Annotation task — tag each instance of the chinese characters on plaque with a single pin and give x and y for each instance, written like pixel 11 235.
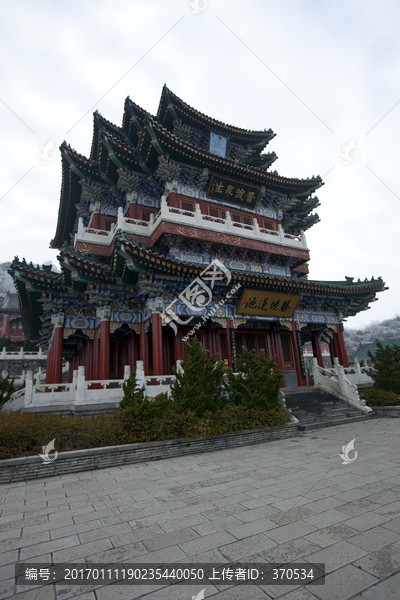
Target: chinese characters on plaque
pixel 232 191
pixel 267 304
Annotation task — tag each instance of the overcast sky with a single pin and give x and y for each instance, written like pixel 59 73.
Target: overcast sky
pixel 325 76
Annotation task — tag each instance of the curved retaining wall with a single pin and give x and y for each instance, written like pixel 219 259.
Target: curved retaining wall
pixel 32 467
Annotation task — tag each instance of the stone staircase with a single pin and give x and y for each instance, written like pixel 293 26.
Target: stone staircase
pixel 315 408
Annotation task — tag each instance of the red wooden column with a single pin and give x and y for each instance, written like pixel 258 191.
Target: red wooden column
pixel 179 349
pixel 300 380
pixel 333 351
pixel 316 347
pixel 344 359
pixel 132 355
pixel 54 357
pixel 277 349
pixel 144 348
pixel 103 313
pixel 96 352
pixel 6 326
pixel 96 216
pixel 229 325
pixel 156 332
pixel 88 359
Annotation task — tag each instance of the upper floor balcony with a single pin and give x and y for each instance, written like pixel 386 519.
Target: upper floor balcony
pixel 192 219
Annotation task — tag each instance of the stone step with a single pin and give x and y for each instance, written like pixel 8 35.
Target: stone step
pixel 315 409
pixel 312 417
pixel 332 422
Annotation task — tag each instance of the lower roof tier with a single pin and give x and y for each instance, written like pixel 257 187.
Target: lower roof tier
pixel 133 276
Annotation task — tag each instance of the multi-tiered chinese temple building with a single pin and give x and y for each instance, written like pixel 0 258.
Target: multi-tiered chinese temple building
pixel 143 224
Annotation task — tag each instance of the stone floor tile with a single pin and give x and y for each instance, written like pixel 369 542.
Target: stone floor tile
pixel 374 538
pixel 241 549
pixel 80 551
pixel 25 541
pixel 335 556
pixel 244 530
pixel 381 563
pixel 99 533
pixel 125 553
pixel 44 592
pixel 171 538
pixel 216 525
pixel 329 517
pixel 300 594
pixel 207 542
pixel 49 546
pixel 385 590
pixel 174 524
pixel 359 507
pixel 331 534
pixel 291 502
pixel 393 525
pixel 343 584
pixel 292 551
pixel 255 513
pixel 391 510
pixel 366 521
pixel 10 534
pixel 290 531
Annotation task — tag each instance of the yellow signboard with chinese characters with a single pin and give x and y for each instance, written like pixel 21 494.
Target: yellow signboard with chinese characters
pixel 261 303
pixel 232 191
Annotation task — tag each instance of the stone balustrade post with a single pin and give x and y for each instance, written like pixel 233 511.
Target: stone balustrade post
pixel 120 219
pixel 38 375
pixel 80 385
pixel 3 353
pixel 256 227
pixel 315 371
pixel 140 377
pixel 358 369
pixel 28 400
pixel 81 228
pixel 127 372
pixel 164 206
pixel 342 381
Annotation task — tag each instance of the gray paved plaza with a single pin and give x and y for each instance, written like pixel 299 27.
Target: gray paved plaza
pixel 285 501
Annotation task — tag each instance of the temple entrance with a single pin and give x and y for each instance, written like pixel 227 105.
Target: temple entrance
pixel 124 350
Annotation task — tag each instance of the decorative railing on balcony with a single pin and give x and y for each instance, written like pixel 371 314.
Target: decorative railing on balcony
pixel 172 214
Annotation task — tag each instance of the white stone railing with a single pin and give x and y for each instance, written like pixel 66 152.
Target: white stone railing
pixel 335 382
pixel 197 219
pixel 81 392
pixel 358 374
pixel 21 355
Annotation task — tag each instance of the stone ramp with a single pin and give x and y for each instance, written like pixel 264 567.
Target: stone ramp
pixel 315 408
